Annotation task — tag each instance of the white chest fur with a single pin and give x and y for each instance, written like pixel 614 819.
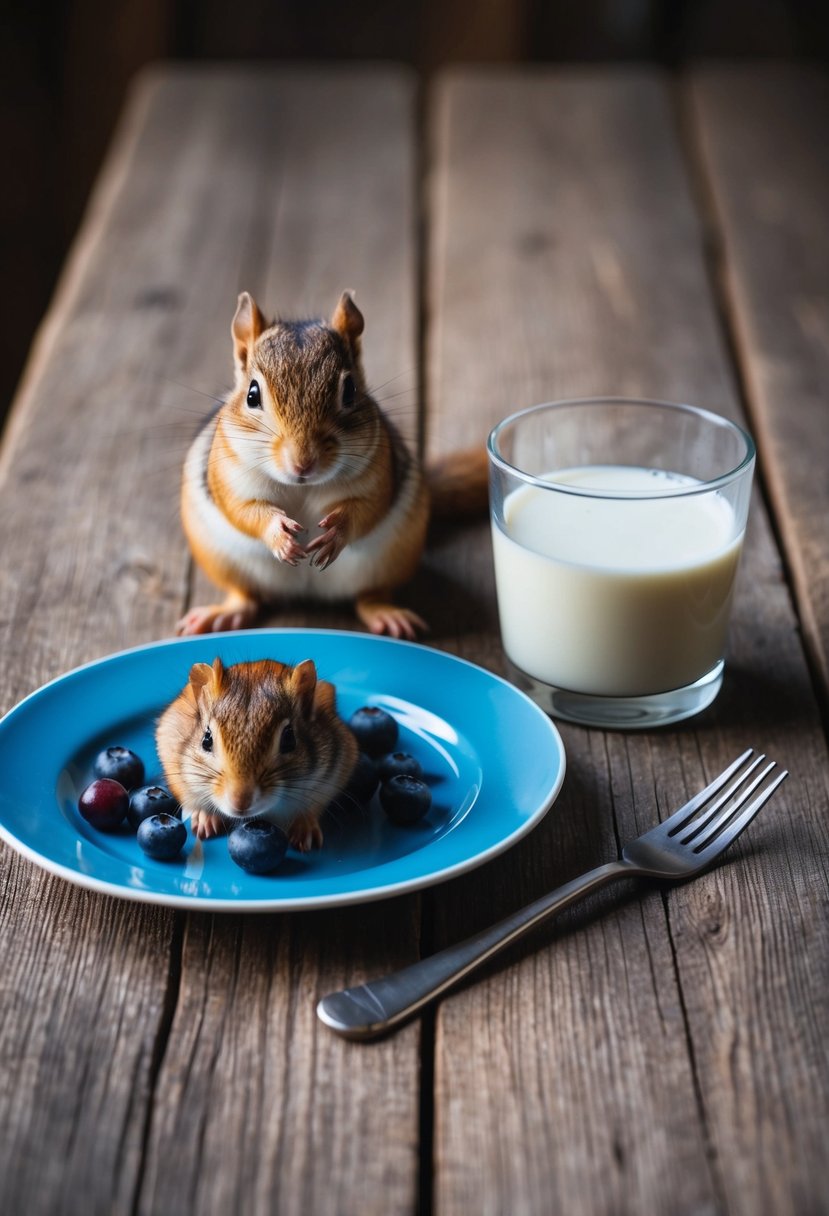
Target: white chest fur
pixel 362 566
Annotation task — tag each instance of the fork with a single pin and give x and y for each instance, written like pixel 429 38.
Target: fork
pixel 680 848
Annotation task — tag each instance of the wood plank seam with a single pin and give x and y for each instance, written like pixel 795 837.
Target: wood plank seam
pixel 708 1138
pixel 422 109
pixel 731 323
pixel 729 318
pixel 162 1039
pixel 665 895
pixel 422 169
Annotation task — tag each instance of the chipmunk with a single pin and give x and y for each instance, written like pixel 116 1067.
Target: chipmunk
pixel 299 445
pixel 256 740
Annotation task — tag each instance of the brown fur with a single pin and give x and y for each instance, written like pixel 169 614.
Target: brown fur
pixel 246 708
pixel 306 449
pixel 458 485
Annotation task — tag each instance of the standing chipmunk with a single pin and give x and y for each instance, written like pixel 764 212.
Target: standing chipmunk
pixel 300 444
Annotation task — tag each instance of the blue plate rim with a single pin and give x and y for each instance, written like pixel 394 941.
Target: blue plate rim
pixel 301 903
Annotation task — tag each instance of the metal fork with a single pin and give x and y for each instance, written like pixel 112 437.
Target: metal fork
pixel 679 848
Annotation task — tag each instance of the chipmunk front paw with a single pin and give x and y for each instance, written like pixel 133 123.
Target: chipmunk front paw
pixel 305 833
pixel 205 824
pixel 327 547
pixel 283 543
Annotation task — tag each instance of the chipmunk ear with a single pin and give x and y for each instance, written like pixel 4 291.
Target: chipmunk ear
pixel 204 677
pixel 303 685
pixel 325 697
pixel 248 324
pixel 348 322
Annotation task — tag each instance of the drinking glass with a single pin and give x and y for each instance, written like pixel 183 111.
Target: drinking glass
pixel 617 527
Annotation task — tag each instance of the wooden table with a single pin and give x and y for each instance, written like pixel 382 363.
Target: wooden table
pixel 514 236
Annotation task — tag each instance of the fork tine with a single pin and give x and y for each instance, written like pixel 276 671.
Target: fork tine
pixel 707 852
pixel 696 826
pixel 674 823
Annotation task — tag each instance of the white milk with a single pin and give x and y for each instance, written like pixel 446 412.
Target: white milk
pixel 610 596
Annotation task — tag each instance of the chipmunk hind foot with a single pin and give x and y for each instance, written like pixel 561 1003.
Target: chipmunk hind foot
pixel 381 616
pixel 234 613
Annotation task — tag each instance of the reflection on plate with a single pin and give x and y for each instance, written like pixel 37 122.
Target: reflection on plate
pixel 493 760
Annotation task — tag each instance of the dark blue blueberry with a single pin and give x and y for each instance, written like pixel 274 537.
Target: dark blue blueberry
pixel 376 731
pixel 162 837
pixel 120 764
pixel 257 846
pixel 151 800
pixel 104 803
pixel 399 764
pixel 405 799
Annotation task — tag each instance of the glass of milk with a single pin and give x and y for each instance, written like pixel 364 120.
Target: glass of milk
pixel 617 527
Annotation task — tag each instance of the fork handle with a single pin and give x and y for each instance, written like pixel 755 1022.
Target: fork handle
pixel 371 1009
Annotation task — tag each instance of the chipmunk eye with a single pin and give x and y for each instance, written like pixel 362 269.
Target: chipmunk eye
pixel 287 742
pixel 349 397
pixel 254 397
pixel 207 740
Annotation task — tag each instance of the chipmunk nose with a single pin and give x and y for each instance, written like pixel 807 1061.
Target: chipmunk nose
pixel 239 798
pixel 300 457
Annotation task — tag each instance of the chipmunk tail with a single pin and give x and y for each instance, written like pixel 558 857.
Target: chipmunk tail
pixel 459 484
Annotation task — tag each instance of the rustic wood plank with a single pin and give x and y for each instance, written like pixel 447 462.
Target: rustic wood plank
pixel 94 559
pixel 641 1062
pixel 260 1107
pixel 86 991
pixel 87 982
pixel 762 134
pixel 247 1061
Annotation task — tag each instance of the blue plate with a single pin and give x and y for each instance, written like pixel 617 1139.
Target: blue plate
pixel 493 760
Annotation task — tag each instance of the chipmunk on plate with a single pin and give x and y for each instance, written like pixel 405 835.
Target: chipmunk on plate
pixel 256 740
pixel 300 486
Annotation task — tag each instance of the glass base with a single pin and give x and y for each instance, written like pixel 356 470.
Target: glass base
pixel 621 713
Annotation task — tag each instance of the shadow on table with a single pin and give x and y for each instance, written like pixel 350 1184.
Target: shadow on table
pixel 758 708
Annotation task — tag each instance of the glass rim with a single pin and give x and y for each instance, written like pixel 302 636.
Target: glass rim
pixel 696 487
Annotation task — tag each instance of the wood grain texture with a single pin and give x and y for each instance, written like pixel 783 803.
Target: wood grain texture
pixel 258 1105
pixel 87 982
pixel 86 990
pixel 217 180
pixel 633 1065
pixel 762 133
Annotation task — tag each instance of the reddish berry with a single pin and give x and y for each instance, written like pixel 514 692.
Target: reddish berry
pixel 104 803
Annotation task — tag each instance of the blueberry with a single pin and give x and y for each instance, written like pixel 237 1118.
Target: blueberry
pixel 119 764
pixel 376 731
pixel 399 764
pixel 151 800
pixel 162 837
pixel 405 799
pixel 363 781
pixel 257 846
pixel 104 803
